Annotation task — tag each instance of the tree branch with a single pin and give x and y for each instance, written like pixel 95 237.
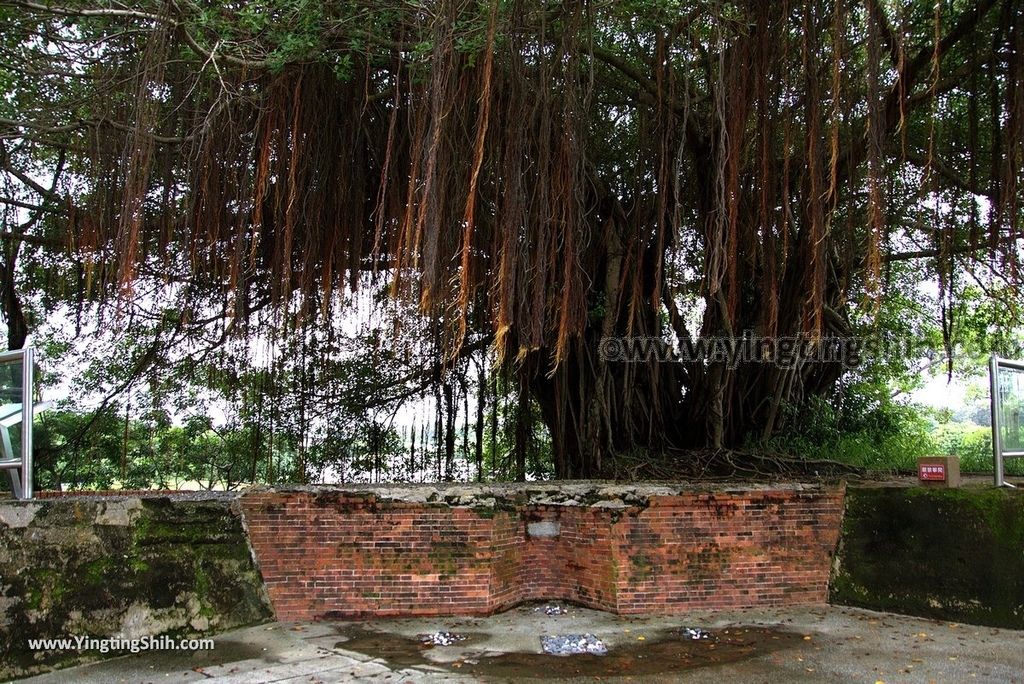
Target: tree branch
pixel 91 123
pixel 37 240
pixel 85 12
pixel 934 252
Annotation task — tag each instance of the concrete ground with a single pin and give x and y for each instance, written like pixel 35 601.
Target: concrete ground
pixel 819 644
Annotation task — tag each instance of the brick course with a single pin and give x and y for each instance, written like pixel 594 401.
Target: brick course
pixel 333 554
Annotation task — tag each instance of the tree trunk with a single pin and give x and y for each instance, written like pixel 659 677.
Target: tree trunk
pixel 449 430
pixel 481 398
pixel 524 432
pixel 17 326
pixel 595 407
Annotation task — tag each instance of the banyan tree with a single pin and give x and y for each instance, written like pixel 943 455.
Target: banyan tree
pixel 536 176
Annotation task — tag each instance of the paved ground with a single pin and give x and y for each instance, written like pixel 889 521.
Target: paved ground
pixel 826 644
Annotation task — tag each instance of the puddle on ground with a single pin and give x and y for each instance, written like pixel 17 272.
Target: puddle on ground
pixel 399 651
pixel 663 651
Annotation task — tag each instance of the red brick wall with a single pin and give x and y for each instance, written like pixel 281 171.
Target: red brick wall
pixel 337 554
pixel 727 550
pixel 333 554
pixel 508 583
pixel 576 565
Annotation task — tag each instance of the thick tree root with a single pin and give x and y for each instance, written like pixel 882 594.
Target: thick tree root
pixel 724 464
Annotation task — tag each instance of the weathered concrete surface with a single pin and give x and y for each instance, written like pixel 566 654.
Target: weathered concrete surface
pixel 596 493
pixel 830 645
pixel 947 554
pixel 125 567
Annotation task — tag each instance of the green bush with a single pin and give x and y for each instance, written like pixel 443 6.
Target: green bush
pixel 863 425
pixel 973 444
pixel 870 432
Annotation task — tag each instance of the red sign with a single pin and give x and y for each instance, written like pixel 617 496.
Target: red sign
pixel 932 471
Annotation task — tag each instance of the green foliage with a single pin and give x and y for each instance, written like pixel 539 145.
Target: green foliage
pixel 325 404
pixel 366 449
pixel 987 321
pixel 499 452
pixel 880 434
pixel 294 32
pixel 973 444
pixel 860 428
pixel 104 450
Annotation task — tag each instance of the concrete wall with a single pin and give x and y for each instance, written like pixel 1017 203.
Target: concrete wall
pixel 125 567
pixel 463 550
pixel 947 554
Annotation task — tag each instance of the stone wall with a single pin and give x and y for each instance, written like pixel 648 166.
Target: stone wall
pixel 123 567
pixel 472 550
pixel 950 554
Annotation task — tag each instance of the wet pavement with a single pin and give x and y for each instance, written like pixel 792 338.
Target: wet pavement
pixel 818 644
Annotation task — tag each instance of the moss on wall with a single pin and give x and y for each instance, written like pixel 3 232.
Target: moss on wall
pixel 120 567
pixel 951 554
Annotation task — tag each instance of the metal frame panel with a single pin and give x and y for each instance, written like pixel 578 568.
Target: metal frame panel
pixel 999 455
pixel 20 469
pixel 27 368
